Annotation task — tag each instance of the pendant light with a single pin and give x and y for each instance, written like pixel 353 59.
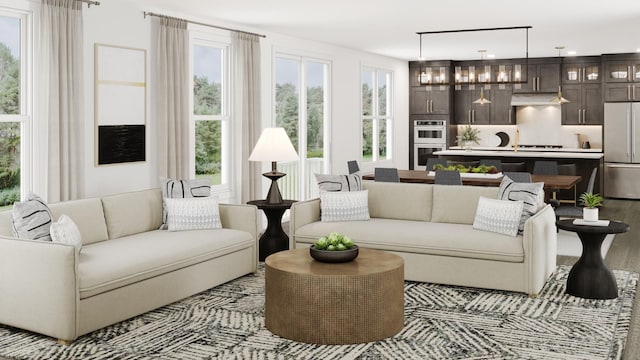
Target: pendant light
pixel 559 99
pixel 482 100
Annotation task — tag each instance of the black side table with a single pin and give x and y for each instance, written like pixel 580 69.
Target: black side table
pixel 590 278
pixel 274 238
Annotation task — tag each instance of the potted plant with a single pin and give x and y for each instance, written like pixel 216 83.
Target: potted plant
pixel 591 203
pixel 467 136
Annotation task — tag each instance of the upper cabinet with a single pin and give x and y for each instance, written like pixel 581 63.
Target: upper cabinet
pixel 585 105
pixel 581 70
pixel 621 77
pixel 542 75
pixel 429 89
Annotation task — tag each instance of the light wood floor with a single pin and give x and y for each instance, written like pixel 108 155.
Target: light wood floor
pixel 624 254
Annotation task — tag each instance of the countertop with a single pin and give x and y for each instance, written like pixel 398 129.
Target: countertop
pixel 564 153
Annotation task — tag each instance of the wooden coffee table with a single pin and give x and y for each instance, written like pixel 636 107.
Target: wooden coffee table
pixel 344 303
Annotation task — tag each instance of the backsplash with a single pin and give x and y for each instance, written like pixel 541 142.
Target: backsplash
pixel 541 125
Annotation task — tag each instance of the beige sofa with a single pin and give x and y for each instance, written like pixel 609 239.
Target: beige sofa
pixel 126 266
pixel 430 226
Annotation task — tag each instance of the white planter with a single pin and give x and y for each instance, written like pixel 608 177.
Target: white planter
pixel 590 214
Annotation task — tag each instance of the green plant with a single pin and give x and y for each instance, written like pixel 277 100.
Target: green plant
pixel 334 242
pixel 591 200
pixel 468 135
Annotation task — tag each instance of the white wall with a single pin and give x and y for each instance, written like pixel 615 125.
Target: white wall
pixel 121 23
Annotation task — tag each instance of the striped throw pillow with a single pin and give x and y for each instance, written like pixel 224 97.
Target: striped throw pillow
pixel 182 189
pixel 32 219
pixel 529 193
pixel 339 182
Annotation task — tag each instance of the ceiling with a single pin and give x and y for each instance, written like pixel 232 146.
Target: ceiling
pixel 389 27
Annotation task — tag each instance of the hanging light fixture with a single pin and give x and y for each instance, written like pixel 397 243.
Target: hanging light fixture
pixel 485 78
pixel 559 99
pixel 482 100
pixel 420 57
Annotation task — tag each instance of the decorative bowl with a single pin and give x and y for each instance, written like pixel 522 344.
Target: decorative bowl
pixel 337 256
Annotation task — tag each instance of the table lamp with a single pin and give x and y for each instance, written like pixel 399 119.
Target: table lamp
pixel 273 145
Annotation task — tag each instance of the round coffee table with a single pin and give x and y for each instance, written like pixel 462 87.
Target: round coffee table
pixel 345 303
pixel 590 278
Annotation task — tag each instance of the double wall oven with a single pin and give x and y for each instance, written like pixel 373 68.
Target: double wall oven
pixel 429 136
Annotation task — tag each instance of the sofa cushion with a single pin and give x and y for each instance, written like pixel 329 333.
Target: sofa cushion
pixel 88 216
pixel 420 237
pixel 531 194
pixel 499 216
pixel 119 262
pixel 339 182
pixel 457 204
pixel 344 205
pixel 399 201
pixel 65 231
pixel 32 219
pixel 133 212
pixel 182 189
pixel 192 214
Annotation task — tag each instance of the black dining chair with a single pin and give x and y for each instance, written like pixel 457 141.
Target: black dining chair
pixel 492 162
pixel 353 166
pixel 433 161
pixel 514 167
pixel 568 169
pixel 448 177
pixel 386 175
pixel 518 176
pixel 569 210
pixel 545 167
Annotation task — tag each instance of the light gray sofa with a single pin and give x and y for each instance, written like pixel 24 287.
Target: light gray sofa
pixel 430 226
pixel 126 266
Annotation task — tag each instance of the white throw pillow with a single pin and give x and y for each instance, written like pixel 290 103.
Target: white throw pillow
pixel 344 205
pixel 181 189
pixel 339 182
pixel 193 214
pixel 531 194
pixel 65 231
pixel 499 216
pixel 31 219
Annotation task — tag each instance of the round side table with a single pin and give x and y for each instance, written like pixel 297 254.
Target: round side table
pixel 590 278
pixel 344 303
pixel 274 238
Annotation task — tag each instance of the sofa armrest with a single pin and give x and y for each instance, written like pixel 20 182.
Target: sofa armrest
pixel 540 248
pixel 240 217
pixel 302 213
pixel 39 287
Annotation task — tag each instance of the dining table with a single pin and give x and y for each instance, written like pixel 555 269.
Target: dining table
pixel 562 182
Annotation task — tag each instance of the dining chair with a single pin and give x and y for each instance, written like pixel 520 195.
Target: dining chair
pixel 386 175
pixel 353 166
pixel 448 177
pixel 574 211
pixel 518 176
pixel 492 162
pixel 545 167
pixel 514 167
pixel 568 169
pixel 433 161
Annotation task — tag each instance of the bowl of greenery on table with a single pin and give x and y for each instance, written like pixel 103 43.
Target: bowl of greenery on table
pixel 334 248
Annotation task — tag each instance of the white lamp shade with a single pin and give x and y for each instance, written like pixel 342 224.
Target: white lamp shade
pixel 273 145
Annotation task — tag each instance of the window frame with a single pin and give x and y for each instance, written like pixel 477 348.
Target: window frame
pixel 25 13
pixel 224 190
pixel 375 117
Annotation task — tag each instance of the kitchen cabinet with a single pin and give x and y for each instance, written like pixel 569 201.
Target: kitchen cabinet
pixel 581 70
pixel 465 111
pixel 585 106
pixel 543 75
pixel 618 92
pixel 429 100
pixel 429 73
pixel 502 113
pixel 621 68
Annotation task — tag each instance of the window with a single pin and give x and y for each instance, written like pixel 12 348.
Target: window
pixel 15 103
pixel 377 114
pixel 302 109
pixel 210 115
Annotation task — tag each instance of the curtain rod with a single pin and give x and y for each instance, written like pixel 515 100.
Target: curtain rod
pixel 90 2
pixel 199 23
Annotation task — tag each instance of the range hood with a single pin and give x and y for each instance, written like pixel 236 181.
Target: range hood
pixel 533 99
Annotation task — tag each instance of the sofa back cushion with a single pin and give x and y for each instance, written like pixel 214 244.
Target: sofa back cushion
pixel 6 223
pixel 88 216
pixel 133 212
pixel 457 204
pixel 399 200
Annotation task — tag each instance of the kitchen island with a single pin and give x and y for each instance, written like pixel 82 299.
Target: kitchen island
pixel 585 160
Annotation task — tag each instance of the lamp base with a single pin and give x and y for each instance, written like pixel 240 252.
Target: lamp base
pixel 274 196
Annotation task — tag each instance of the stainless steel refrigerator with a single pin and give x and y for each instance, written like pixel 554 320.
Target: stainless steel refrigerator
pixel 622 150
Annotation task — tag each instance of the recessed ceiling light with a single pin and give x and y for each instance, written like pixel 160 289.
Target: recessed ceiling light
pixel 571 52
pixel 491 56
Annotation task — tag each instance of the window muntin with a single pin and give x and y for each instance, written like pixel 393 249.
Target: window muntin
pixel 377 114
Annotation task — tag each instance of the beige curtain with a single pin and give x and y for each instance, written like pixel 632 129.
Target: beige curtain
pixel 247 82
pixel 173 98
pixel 61 92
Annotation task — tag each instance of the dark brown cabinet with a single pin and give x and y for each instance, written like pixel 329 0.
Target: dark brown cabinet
pixel 502 113
pixel 429 100
pixel 585 106
pixel 621 77
pixel 466 111
pixel 621 92
pixel 581 70
pixel 543 75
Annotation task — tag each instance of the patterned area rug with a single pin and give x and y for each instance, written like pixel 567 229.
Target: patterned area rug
pixel 441 322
